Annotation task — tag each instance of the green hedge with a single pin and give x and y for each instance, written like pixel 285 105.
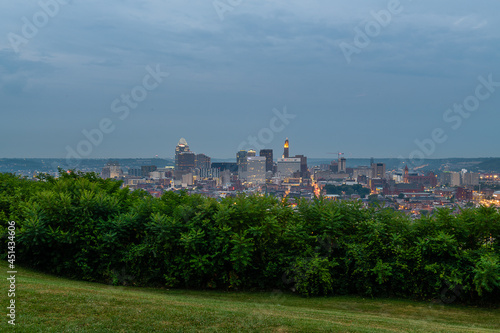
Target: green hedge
pixel 88 228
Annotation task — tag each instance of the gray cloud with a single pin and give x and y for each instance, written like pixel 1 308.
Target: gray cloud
pixel 226 76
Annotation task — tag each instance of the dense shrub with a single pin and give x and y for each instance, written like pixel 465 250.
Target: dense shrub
pixel 88 228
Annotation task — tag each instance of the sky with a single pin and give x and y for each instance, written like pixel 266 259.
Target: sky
pixel 116 79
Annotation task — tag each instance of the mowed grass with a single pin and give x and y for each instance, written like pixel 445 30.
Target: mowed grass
pixel 50 304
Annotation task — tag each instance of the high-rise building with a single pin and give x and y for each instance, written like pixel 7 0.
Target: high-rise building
pixel 286 149
pixel 202 161
pixel 251 153
pixel 334 166
pixel 268 154
pixel 186 161
pixel 112 170
pixel 225 177
pixel 378 170
pixel 136 172
pixel 256 170
pixel 287 167
pixel 470 179
pixel 187 180
pixel 342 165
pixel 241 160
pixel 304 172
pixel 450 179
pixel 146 169
pixel 181 147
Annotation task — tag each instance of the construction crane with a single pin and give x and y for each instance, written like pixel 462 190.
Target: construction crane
pixel 338 153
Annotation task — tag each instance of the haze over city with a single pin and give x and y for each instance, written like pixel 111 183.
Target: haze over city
pixel 367 78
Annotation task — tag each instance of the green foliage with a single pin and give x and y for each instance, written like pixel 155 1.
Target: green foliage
pixel 84 227
pixel 487 273
pixel 347 190
pixel 313 276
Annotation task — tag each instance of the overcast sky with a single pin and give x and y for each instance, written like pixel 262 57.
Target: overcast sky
pixel 349 80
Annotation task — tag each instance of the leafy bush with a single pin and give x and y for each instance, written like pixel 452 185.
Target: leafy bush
pixel 313 276
pixel 85 227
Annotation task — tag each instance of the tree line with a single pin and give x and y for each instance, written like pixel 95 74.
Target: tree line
pixel 84 227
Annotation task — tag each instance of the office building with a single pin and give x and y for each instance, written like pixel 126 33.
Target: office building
pixel 256 170
pixel 363 171
pixel 450 179
pixel 334 166
pixel 202 161
pixel 146 169
pixel 225 178
pixel 112 170
pixel 182 147
pixel 470 179
pixel 378 170
pixel 304 172
pixel 187 180
pixel 241 160
pixel 268 154
pixel 185 161
pixel 287 167
pixel 135 172
pixel 342 168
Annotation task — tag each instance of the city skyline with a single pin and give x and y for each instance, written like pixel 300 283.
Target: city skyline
pixel 386 79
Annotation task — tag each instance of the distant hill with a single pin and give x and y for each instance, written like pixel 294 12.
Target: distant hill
pixel 492 164
pixel 27 166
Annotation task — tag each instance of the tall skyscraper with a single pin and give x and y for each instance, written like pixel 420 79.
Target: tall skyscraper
pixel 268 154
pixel 342 165
pixel 304 172
pixel 186 161
pixel 241 160
pixel 251 153
pixel 287 167
pixel 256 170
pixel 378 170
pixel 181 147
pixel 286 147
pixel 203 161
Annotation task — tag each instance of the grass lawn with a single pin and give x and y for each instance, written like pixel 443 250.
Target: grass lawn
pixel 50 304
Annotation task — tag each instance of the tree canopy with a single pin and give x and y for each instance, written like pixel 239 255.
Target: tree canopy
pixel 88 228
